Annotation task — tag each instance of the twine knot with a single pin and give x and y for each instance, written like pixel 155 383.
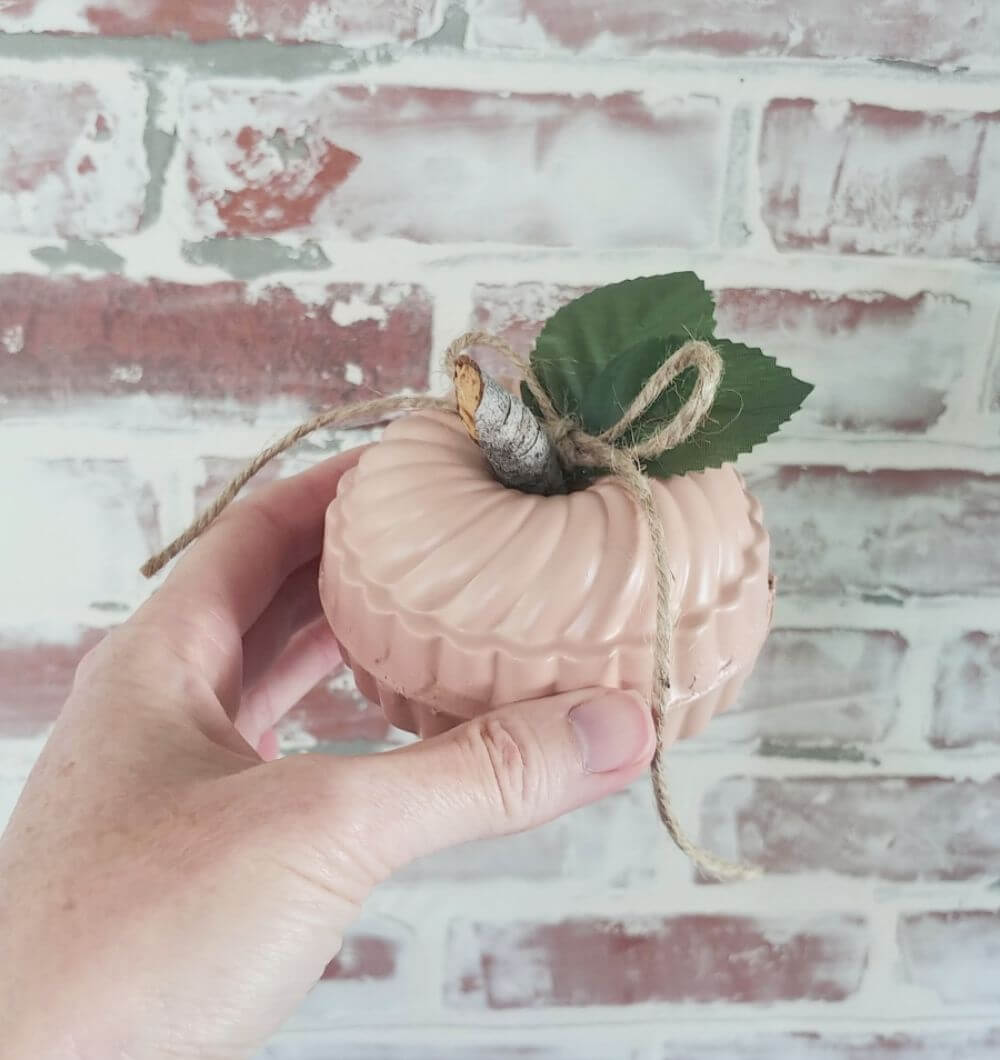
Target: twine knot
pixel 576 448
pixel 579 449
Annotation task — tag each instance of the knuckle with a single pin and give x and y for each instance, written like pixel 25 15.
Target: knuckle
pixel 193 633
pixel 255 509
pixel 143 656
pixel 513 768
pixel 111 655
pixel 90 664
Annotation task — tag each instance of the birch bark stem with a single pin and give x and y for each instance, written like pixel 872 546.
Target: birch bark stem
pixel 513 441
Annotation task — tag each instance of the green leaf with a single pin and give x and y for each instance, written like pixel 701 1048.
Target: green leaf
pixel 580 339
pixel 594 355
pixel 756 396
pixel 613 389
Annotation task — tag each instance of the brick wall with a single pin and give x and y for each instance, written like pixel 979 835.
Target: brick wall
pixel 216 217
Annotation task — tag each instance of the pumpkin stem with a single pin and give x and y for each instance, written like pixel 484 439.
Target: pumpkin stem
pixel 513 441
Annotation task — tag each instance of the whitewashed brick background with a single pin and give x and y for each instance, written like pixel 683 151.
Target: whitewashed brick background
pixel 216 217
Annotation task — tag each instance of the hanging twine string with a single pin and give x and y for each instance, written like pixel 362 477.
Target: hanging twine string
pixel 577 449
pixel 359 414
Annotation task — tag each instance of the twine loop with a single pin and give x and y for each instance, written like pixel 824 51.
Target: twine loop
pixel 577 449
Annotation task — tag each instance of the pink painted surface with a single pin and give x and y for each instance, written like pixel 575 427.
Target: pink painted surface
pixel 450 594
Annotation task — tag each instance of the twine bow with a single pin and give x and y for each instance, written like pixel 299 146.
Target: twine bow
pixel 576 449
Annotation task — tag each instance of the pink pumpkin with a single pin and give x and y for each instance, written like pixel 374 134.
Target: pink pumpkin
pixel 451 594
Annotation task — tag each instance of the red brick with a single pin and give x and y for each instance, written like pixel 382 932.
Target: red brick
pixel 583 962
pixel 954 954
pixel 356 23
pixel 35 678
pixel 372 977
pixel 434 165
pixel 72 161
pixel 110 336
pixel 879 362
pixel 957 32
pixel 967 692
pixel 909 828
pixel 908 532
pixel 858 178
pixel 818 687
pixel 364 956
pixel 515 312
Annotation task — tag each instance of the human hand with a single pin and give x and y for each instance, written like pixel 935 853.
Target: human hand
pixel 165 891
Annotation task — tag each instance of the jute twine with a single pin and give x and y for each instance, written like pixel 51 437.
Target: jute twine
pixel 577 449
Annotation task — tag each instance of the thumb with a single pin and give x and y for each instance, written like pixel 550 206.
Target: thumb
pixel 505 771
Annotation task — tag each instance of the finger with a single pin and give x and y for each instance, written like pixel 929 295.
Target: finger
pixel 503 772
pixel 229 576
pixel 295 606
pixel 267 746
pixel 310 656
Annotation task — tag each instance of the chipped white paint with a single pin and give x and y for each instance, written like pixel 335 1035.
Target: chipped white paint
pixel 323 21
pixel 355 310
pixel 170 84
pixel 353 373
pixel 242 21
pixel 76 517
pixel 830 114
pixel 337 24
pixel 13 339
pixel 95 185
pixel 126 373
pixel 293 738
pixel 43 16
pixel 495 188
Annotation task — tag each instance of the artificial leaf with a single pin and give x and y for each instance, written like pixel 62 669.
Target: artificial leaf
pixel 614 388
pixel 756 396
pixel 580 339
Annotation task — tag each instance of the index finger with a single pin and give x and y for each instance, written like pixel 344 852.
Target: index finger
pixel 231 573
